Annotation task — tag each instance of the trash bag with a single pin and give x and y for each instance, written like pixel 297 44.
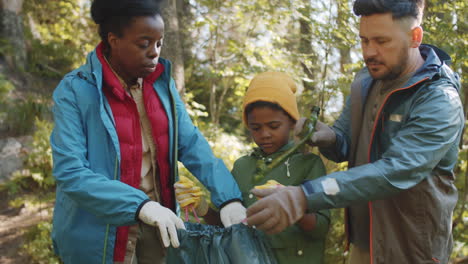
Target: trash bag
pixel 206 244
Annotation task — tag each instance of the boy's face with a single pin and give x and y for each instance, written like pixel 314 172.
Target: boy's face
pixel 269 128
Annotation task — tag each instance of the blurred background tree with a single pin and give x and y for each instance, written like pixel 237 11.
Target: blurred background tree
pixel 216 47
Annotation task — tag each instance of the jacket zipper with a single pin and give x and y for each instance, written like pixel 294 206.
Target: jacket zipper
pixel 108 226
pixel 176 140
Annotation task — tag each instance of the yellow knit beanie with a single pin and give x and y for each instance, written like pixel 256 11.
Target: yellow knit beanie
pixel 273 87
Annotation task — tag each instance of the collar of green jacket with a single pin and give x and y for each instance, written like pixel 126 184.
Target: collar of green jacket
pixel 257 152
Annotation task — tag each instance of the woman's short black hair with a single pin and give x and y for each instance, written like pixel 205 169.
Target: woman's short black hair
pixel 114 15
pixel 398 8
pixel 261 104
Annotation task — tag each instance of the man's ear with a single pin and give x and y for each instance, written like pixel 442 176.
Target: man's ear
pixel 416 36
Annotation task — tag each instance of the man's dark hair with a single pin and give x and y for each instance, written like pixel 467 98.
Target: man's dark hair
pixel 398 8
pixel 114 15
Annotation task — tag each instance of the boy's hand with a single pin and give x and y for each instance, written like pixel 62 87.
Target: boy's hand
pixel 278 209
pixel 323 136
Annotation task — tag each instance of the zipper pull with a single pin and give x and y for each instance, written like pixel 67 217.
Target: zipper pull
pixel 287 168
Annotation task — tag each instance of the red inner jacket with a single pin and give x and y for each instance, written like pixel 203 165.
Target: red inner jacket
pixel 127 123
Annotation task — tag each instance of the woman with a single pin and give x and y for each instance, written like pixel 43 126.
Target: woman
pixel 120 128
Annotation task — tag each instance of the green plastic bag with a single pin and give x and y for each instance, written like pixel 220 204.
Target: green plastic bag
pixel 206 244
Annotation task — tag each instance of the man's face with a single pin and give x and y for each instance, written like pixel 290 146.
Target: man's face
pixel 385 46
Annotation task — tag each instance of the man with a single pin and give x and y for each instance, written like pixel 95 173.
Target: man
pixel 399 131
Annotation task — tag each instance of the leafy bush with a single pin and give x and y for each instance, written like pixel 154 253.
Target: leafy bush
pixel 37 171
pixel 6 87
pixel 225 146
pixel 17 115
pixel 39 244
pixel 39 161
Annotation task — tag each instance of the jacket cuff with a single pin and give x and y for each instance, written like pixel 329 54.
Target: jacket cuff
pixel 139 208
pixel 307 187
pixel 313 191
pixel 229 201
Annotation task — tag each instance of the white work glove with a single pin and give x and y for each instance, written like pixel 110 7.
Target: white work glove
pixel 323 136
pixel 232 213
pixel 152 213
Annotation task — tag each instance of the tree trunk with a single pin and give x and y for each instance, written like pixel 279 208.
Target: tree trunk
pixel 12 44
pixel 172 48
pixel 305 47
pixel 342 20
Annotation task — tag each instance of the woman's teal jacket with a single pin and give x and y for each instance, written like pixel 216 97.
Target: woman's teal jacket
pixel 91 201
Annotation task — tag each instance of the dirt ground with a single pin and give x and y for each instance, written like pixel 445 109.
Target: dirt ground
pixel 14 222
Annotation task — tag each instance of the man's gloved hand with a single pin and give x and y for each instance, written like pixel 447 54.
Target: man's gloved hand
pixel 152 213
pixel 190 196
pixel 323 136
pixel 278 208
pixel 232 213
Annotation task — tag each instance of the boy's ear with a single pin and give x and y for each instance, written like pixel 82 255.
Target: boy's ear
pixel 416 36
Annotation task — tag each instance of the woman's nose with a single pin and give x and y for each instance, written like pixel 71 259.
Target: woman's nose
pixel 154 51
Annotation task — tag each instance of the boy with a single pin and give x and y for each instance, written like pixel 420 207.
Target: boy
pixel 270 113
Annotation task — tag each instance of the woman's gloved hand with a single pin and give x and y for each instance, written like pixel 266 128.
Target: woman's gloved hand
pixel 232 213
pixel 152 213
pixel 190 197
pixel 323 136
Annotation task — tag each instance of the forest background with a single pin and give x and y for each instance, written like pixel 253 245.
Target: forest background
pixel 216 47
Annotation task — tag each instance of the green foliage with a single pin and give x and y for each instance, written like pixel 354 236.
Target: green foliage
pixel 6 87
pixel 336 239
pixel 460 215
pixel 39 244
pixel 446 26
pixel 60 34
pixel 5 47
pixel 225 146
pixel 39 159
pixel 19 114
pixel 33 186
pixel 37 172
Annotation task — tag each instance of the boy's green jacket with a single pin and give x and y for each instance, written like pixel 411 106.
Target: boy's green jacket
pixel 293 245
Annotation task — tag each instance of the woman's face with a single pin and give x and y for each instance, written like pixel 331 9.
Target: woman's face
pixel 269 128
pixel 135 54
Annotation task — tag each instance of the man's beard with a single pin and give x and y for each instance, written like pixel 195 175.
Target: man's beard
pixel 395 71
